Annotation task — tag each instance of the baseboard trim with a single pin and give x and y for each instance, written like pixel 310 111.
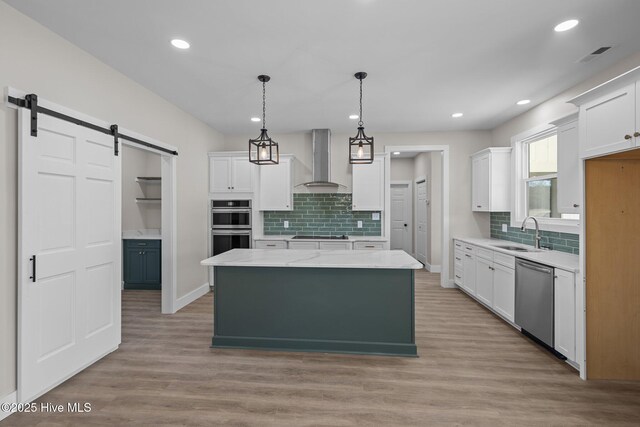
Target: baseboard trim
pixel 187 299
pixel 450 285
pixel 11 398
pixel 433 268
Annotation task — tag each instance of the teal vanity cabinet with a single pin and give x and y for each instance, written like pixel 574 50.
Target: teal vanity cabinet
pixel 142 264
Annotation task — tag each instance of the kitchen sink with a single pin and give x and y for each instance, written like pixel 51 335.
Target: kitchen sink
pixel 516 248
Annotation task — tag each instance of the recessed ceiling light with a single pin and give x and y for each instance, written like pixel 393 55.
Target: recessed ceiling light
pixel 180 44
pixel 566 25
pixel 456 115
pixel 396 153
pixel 523 102
pixel 354 116
pixel 256 119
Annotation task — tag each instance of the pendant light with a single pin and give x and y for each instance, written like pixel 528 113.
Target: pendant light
pixel 263 150
pixel 360 146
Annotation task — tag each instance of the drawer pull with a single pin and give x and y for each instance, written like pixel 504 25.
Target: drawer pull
pixel 468 248
pixel 458 277
pixel 369 246
pixel 479 206
pixel 459 259
pixel 468 256
pixel 271 246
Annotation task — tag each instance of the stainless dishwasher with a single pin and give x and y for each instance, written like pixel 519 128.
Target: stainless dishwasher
pixel 534 300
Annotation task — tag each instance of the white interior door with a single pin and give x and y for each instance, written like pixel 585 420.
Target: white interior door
pixel 69 220
pixel 401 218
pixel 421 222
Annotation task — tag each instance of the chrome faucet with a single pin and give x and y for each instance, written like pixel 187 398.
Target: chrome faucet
pixel 538 238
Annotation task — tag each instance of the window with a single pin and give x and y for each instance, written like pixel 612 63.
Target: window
pixel 537 188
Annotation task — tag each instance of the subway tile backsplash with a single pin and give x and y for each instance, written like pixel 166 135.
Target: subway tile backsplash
pixel 564 242
pixel 321 214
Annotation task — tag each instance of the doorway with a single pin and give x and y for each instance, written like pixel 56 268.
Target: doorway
pixel 432 245
pixel 401 221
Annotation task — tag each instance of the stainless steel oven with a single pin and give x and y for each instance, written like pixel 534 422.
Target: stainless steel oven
pixel 230 225
pixel 231 214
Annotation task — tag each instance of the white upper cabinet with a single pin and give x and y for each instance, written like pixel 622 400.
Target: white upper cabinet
pixel 607 124
pixel 569 192
pixel 490 180
pixel 610 116
pixel 230 173
pixel 276 185
pixel 368 185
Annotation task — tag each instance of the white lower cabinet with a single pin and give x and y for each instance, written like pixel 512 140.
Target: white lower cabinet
pixel 303 245
pixel 368 245
pixel 504 291
pixel 271 244
pixel 335 245
pixel 469 273
pixel 484 280
pixel 565 313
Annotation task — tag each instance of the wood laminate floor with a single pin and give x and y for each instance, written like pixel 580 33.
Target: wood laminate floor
pixel 473 369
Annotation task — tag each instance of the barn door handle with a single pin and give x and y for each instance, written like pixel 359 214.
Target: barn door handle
pixel 33 269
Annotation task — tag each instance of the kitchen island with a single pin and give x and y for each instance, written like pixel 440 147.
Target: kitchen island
pixel 339 301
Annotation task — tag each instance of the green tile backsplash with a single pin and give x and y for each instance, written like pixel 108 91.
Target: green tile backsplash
pixel 564 242
pixel 321 214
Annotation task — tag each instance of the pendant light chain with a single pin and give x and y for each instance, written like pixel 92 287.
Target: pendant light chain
pixel 360 122
pixel 264 105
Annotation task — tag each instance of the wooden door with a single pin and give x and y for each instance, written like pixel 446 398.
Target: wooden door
pixel 70 252
pixel 612 269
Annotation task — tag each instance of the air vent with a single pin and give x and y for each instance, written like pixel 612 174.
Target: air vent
pixel 595 54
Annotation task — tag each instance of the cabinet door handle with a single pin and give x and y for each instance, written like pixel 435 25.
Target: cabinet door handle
pixel 33 269
pixel 459 259
pixel 468 256
pixel 479 206
pixel 491 268
pixel 458 277
pixel 637 134
pixel 575 205
pixel 627 137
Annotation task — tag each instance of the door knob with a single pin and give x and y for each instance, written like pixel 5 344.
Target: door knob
pixel 405 225
pixel 627 137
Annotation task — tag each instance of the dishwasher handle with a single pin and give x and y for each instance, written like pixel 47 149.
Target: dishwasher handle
pixel 535 266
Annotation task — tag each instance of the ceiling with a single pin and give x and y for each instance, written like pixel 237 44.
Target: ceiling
pixel 425 59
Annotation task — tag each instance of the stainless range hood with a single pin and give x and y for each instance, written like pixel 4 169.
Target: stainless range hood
pixel 321 140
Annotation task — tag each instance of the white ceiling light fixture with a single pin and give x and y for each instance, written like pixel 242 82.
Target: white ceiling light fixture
pixel 396 153
pixel 566 25
pixel 180 44
pixel 523 102
pixel 255 119
pixel 354 117
pixel 457 115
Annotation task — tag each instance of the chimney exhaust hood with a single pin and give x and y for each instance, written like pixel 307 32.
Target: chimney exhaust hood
pixel 321 140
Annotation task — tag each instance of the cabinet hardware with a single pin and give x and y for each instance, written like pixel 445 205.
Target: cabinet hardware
pixel 491 268
pixel 575 205
pixel 637 134
pixel 458 259
pixel 369 246
pixel 468 256
pixel 271 246
pixel 479 206
pixel 627 137
pixel 468 248
pixel 33 269
pixel 555 277
pixel 458 277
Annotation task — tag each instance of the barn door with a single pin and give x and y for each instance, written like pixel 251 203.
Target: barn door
pixel 69 249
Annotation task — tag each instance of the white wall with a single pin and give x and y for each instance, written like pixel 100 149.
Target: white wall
pixel 401 169
pixel 36 60
pixel 135 163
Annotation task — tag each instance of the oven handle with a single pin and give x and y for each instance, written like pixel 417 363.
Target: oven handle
pixel 226 232
pixel 230 210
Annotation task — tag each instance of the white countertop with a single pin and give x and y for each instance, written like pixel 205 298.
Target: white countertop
pixel 557 259
pixel 350 239
pixel 314 258
pixel 142 234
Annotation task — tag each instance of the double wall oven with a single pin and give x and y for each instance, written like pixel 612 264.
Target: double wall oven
pixel 230 225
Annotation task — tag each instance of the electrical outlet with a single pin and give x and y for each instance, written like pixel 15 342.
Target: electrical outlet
pixel 359 224
pixel 286 224
pixel 375 216
pixel 504 228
